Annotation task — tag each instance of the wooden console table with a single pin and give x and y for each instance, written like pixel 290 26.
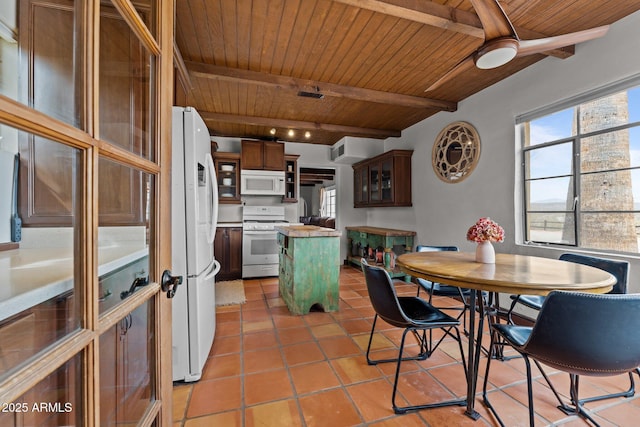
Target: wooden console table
pixel 399 241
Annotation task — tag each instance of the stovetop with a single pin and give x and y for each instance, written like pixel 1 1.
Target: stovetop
pixel 262 217
pixel 252 225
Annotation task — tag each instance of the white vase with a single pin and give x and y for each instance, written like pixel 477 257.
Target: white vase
pixel 485 253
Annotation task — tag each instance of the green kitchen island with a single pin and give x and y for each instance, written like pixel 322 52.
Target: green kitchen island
pixel 309 270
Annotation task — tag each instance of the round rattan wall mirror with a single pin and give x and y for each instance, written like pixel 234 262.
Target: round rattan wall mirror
pixel 455 152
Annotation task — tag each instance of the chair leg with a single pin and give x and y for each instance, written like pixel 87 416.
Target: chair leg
pixel 422 356
pixel 530 392
pixel 561 405
pixel 579 410
pixel 404 409
pixel 485 396
pixel 462 314
pixel 628 393
pixel 510 311
pixel 494 343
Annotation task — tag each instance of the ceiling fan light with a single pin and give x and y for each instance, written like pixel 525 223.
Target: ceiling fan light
pixel 496 53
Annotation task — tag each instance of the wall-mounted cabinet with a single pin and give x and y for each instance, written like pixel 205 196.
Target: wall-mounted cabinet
pixel 228 174
pixel 262 155
pixel 384 180
pixel 291 178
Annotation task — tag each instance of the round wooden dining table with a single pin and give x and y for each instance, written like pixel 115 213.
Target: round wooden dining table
pixel 511 274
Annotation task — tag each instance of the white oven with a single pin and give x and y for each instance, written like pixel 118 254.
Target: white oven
pixel 260 240
pixel 262 183
pixel 259 253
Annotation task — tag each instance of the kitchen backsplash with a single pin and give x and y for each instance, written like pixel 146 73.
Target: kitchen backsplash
pixel 233 213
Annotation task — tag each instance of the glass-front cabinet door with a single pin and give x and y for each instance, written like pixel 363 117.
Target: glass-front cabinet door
pixel 361 185
pixel 386 184
pixel 85 101
pixel 228 174
pixel 374 182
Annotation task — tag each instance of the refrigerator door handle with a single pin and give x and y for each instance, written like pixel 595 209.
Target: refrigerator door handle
pixel 213 194
pixel 214 270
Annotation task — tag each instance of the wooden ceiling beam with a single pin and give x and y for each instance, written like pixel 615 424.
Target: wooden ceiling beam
pixel 425 12
pixel 209 71
pixel 178 62
pixel 302 125
pixel 318 171
pixel 314 177
pixel 445 17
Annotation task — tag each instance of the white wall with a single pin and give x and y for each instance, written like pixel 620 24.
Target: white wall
pixel 311 156
pixel 319 156
pixel 441 212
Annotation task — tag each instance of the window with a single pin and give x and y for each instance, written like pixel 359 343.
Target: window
pixel 581 171
pixel 329 205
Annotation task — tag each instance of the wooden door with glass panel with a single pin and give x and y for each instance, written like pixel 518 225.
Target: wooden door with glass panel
pixel 84 324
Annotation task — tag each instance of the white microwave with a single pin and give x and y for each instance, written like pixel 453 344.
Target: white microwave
pixel 262 183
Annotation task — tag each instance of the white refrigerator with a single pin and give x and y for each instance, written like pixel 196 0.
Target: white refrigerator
pixel 194 216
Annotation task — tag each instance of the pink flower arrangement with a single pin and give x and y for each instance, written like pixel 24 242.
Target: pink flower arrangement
pixel 485 230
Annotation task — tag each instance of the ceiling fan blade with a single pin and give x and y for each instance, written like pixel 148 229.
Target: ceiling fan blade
pixel 530 47
pixel 462 67
pixel 495 21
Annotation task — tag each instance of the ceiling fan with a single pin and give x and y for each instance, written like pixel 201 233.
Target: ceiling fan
pixel 502 44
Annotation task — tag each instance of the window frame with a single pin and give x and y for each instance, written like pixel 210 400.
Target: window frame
pixel 326 209
pixel 576 174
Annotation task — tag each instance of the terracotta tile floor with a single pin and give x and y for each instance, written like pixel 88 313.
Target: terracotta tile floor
pixel 270 368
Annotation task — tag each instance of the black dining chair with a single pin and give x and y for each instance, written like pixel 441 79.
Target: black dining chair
pixel 415 315
pixel 578 333
pixel 438 289
pixel 620 270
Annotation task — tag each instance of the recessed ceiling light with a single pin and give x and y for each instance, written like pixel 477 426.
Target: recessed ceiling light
pixel 291 133
pixel 272 131
pixel 307 134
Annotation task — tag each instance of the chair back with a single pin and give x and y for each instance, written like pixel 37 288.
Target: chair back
pixel 587 334
pixel 383 295
pixel 438 288
pixel 619 269
pixel 426 248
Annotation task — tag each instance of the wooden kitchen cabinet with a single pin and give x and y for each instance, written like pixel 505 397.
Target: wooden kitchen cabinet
pixel 384 180
pixel 291 178
pixel 227 249
pixel 228 175
pixel 262 155
pixel 125 382
pixel 124 349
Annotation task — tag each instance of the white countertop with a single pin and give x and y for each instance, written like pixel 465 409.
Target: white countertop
pixel 230 224
pixel 32 276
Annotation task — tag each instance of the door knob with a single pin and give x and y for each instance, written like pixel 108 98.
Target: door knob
pixel 170 283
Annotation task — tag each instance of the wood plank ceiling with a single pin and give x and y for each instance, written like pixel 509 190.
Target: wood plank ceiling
pixel 242 63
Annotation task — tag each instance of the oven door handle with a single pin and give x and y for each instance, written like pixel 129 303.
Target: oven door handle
pixel 259 232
